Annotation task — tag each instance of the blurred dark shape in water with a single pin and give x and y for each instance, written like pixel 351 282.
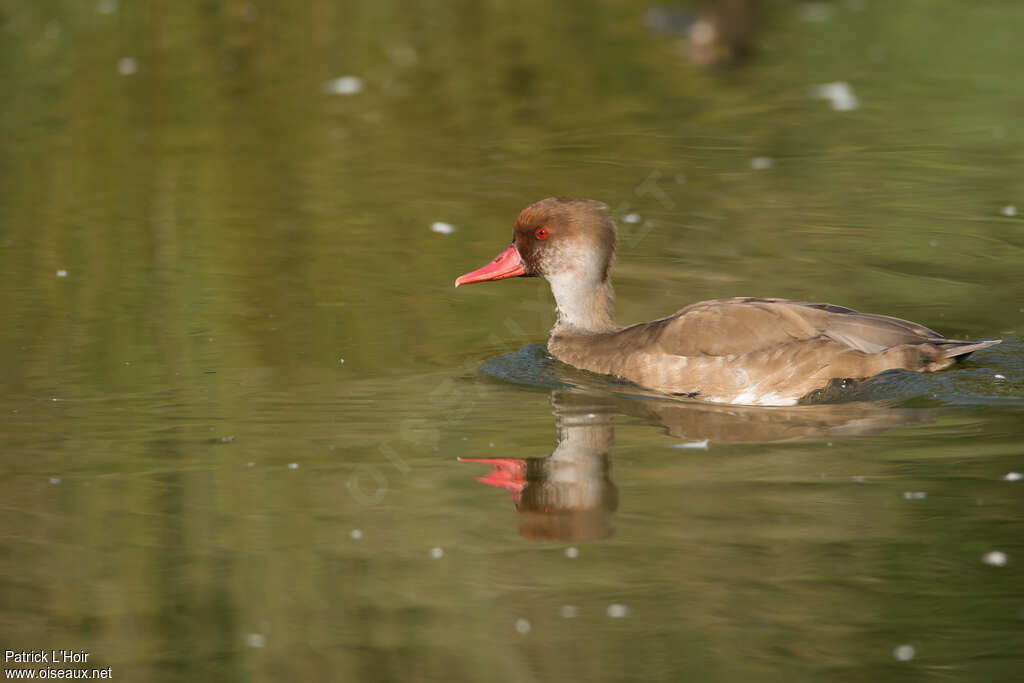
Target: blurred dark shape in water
pixel 721 33
pixel 570 495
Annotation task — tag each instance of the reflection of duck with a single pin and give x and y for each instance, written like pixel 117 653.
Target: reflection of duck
pixel 570 495
pixel 741 350
pixel 722 33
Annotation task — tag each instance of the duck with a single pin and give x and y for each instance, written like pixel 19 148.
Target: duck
pixel 739 350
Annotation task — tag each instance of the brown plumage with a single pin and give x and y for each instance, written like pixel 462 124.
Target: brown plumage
pixel 740 350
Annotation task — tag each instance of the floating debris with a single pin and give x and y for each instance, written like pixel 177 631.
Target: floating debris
pixel 997 376
pixel 904 653
pixel 345 85
pixel 631 218
pixel 839 94
pixel 572 552
pixel 1009 210
pixel 293 465
pixel 618 611
pixel 356 534
pixel 54 480
pixel 437 552
pixel 255 640
pixel 761 163
pixel 442 228
pixel 62 273
pixel 1013 476
pixel 569 611
pixel 341 361
pixel 127 66
pixel 693 445
pixel 915 495
pixel 995 558
pixel 523 626
pixel 226 439
pixel 859 478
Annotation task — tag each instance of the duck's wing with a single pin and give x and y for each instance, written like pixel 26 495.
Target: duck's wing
pixel 742 326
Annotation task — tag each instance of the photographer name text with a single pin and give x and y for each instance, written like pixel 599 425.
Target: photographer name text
pixel 46 657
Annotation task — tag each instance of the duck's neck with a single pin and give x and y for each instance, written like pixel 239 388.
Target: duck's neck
pixel 584 305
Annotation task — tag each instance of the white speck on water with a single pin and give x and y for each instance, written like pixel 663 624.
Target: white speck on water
pixel 569 611
pixel 631 218
pixel 998 376
pixel 356 534
pixel 839 94
pixel 341 361
pixel 250 464
pixel 815 12
pixel 693 445
pixel 442 228
pixel 127 66
pixel 255 640
pixel 62 273
pixel 914 495
pixel 437 552
pixel 491 444
pixel 859 478
pixel 523 626
pixel 591 416
pixel 344 85
pixel 995 558
pixel 293 465
pixel 829 444
pixel 55 399
pixel 572 552
pixel 106 6
pixel 618 611
pixel 1013 476
pixel 904 653
pixel 54 480
pixel 762 163
pixel 226 439
pixel 52 30
pixel 1010 211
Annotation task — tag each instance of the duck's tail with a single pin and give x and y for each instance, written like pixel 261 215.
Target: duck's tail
pixel 958 350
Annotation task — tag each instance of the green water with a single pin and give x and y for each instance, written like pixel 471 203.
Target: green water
pixel 195 487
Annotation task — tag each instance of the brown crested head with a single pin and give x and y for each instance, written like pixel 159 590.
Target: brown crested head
pixel 562 235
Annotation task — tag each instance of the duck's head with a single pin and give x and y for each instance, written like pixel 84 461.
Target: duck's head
pixel 558 239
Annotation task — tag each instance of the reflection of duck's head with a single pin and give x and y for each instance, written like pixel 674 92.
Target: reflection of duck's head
pixel 568 495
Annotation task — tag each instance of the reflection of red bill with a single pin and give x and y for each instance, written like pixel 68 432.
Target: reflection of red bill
pixel 509 474
pixel 506 264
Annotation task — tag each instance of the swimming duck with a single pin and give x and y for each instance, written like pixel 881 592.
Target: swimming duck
pixel 742 350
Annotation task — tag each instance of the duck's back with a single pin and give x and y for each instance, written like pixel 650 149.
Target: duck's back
pixel 759 351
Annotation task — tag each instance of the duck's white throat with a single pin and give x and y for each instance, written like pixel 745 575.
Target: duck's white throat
pixel 586 304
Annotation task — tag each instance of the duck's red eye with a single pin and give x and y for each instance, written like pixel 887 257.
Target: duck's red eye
pixel 542 233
